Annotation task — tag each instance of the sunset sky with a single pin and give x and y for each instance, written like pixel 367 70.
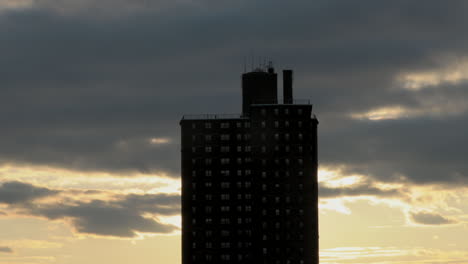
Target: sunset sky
pixel 92 91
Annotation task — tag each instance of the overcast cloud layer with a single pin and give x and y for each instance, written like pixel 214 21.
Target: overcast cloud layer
pixel 87 87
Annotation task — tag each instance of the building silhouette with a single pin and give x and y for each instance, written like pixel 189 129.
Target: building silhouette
pixel 249 181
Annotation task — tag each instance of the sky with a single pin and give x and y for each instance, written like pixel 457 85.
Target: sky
pixel 91 94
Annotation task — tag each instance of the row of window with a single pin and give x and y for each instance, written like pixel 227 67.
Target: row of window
pixel 263 149
pixel 278 124
pixel 209 173
pixel 224 185
pixel 224 197
pixel 225 221
pixel 223 161
pixel 224 125
pixel 276 111
pixel 224 208
pixel 240 258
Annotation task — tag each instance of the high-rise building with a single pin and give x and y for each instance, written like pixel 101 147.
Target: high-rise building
pixel 249 181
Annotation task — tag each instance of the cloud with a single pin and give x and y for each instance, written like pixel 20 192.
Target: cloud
pixel 428 218
pixel 118 82
pixel 121 216
pixel 6 250
pixel 361 189
pixel 14 192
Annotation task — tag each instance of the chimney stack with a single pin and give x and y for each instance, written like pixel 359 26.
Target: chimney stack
pixel 287 86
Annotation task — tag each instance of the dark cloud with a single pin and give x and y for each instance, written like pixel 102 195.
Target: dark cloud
pixel 119 218
pixel 15 192
pixel 91 91
pixel 6 250
pixel 422 150
pixel 427 218
pixel 364 189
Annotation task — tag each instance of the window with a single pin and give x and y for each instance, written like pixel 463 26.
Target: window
pixel 286 111
pixel 248 184
pixel 276 111
pixel 225 208
pixel 300 136
pixel 225 245
pixel 286 123
pixel 239 148
pixel 225 137
pixel 225 256
pixel 225 221
pixel 276 124
pixel 263 149
pixel 208 233
pixel 247 124
pixel 224 149
pixel 207 125
pixel 194 209
pixel 299 111
pixel 208 149
pixel 194 149
pixel 239 125
pixel 286 136
pixel 299 123
pixel 225 161
pixel 225 233
pixel 248 196
pixel 286 148
pixel 194 197
pixel 239 160
pixel 276 136
pixel 208 184
pixel 263 111
pixel 300 186
pixel 208 197
pixel 225 172
pixel 239 136
pixel 208 245
pixel 208 220
pixel 224 125
pixel 248 208
pixel 194 125
pixel 300 161
pixel 194 173
pixel 208 173
pixel 263 124
pixel 194 185
pixel 239 172
pixel 225 185
pixel 263 136
pixel 208 209
pixel 248 148
pixel 207 161
pixel 300 148
pixel 247 136
pixel 207 137
pixel 248 172
pixel 224 197
pixel 264 174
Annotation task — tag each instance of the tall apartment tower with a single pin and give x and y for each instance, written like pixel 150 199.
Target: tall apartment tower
pixel 249 181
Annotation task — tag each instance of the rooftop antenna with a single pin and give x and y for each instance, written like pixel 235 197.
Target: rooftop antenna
pixel 245 64
pixel 252 58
